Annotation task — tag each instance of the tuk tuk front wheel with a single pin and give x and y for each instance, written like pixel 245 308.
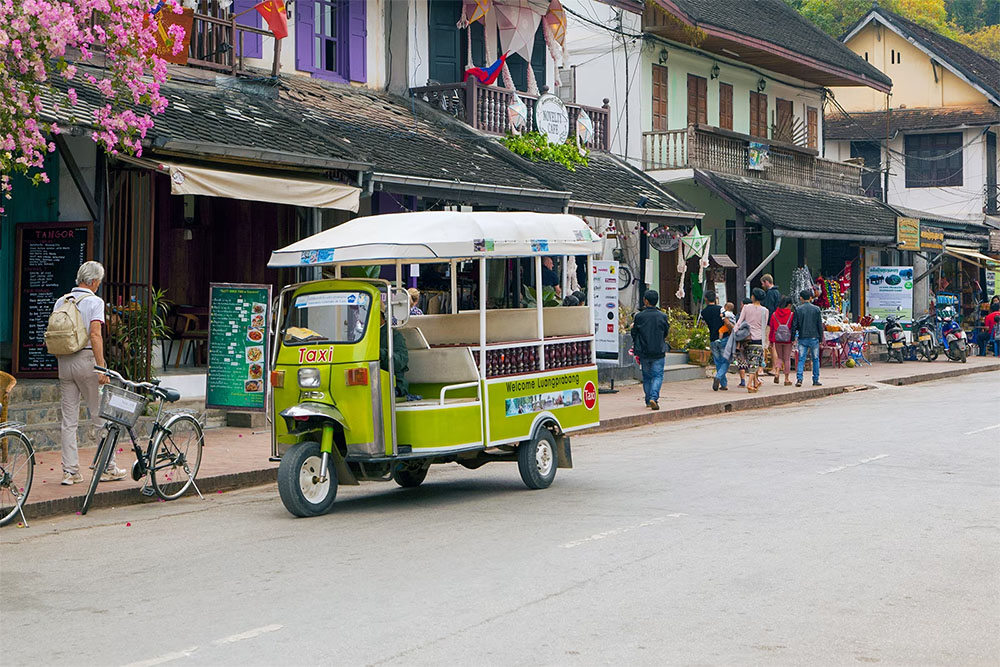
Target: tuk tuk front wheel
pixel 302 491
pixel 536 460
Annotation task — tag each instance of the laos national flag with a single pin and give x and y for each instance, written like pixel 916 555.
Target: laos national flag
pixel 488 75
pixel 273 12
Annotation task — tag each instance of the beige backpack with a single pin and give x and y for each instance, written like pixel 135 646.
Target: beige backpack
pixel 67 333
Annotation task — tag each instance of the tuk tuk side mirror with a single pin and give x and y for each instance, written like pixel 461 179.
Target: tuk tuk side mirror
pixel 400 307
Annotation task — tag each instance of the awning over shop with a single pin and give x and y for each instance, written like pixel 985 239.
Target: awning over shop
pixel 797 212
pixel 190 180
pixel 971 256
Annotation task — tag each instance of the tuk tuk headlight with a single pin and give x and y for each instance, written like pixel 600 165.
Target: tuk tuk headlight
pixel 308 377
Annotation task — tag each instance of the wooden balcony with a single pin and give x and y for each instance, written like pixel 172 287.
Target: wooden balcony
pixel 485 108
pixel 218 43
pixel 704 147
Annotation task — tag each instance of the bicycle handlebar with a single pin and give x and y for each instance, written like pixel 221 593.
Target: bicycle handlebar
pixel 149 386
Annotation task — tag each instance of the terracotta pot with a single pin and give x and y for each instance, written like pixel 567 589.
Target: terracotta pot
pixel 700 357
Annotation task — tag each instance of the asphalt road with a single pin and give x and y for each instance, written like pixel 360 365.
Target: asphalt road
pixel 854 530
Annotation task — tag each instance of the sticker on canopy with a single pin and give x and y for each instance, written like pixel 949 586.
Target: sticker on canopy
pixel 329 299
pixel 316 256
pixel 483 245
pixel 539 245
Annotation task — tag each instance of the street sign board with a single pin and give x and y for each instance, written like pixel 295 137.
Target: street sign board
pixel 606 309
pixel 239 317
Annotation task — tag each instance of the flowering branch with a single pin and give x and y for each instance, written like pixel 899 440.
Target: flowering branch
pixel 41 44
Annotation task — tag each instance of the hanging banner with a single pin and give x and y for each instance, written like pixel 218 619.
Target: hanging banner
pixel 758 156
pixel 932 238
pixel 606 309
pixel 238 324
pixel 890 291
pixel 163 18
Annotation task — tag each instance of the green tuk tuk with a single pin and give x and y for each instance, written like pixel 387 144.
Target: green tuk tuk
pixel 494 384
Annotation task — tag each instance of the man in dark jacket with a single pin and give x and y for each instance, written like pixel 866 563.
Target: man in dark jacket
pixel 772 297
pixel 807 324
pixel 649 336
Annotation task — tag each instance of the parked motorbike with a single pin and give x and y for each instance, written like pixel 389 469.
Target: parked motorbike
pixel 925 337
pixel 895 340
pixel 953 337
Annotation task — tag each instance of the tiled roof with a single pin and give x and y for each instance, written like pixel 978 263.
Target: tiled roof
pixel 981 70
pixel 776 22
pixel 605 180
pixel 793 208
pixel 870 125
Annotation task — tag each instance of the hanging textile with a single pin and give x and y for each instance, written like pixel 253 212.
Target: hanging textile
pixel 532 83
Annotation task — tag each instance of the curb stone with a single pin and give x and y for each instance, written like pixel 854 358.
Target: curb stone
pixel 131 496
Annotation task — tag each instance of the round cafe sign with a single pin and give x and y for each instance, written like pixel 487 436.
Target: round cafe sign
pixel 551 118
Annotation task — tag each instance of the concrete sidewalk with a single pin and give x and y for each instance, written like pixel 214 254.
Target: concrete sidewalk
pixel 237 457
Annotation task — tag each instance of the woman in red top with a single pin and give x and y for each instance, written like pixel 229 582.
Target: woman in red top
pixel 781 336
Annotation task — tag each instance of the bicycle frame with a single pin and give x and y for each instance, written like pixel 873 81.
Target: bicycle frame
pixel 143 459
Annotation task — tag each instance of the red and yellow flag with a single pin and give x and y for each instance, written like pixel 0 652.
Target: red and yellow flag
pixel 274 13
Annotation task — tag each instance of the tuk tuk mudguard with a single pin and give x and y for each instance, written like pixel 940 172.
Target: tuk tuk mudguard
pixel 321 416
pixel 564 455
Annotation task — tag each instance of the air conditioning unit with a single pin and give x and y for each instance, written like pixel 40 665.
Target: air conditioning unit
pixel 566 90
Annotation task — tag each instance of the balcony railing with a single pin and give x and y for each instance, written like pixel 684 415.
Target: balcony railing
pixel 485 108
pixel 702 147
pixel 219 43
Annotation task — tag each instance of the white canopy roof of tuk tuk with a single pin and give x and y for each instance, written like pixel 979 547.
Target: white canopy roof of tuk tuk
pixel 441 235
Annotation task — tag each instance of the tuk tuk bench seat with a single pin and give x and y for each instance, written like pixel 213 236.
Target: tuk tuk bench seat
pixel 442 365
pixel 505 325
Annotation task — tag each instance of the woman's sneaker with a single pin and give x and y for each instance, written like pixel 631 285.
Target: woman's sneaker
pixel 113 474
pixel 71 478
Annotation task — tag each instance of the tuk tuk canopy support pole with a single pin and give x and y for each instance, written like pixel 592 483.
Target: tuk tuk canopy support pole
pixel 565 276
pixel 590 302
pixel 485 397
pixel 539 304
pixel 454 286
pixel 399 275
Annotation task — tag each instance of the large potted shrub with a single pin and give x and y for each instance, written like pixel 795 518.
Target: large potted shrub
pixel 698 345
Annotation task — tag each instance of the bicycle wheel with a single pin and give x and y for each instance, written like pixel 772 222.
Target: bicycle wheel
pixel 176 456
pixel 17 468
pixel 107 446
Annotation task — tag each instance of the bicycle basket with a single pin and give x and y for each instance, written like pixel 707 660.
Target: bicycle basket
pixel 121 405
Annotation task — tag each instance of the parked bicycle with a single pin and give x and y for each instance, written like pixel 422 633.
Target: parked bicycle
pixel 173 448
pixel 17 468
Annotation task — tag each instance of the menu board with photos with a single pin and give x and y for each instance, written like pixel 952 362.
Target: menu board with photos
pixel 238 322
pixel 47 257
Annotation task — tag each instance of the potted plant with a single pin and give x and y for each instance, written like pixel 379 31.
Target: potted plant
pixel 680 329
pixel 135 331
pixel 698 345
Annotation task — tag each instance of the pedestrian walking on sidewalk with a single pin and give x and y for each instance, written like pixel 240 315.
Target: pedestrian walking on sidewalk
pixel 808 328
pixel 772 298
pixel 752 357
pixel 649 342
pixel 77 379
pixel 711 315
pixel 780 333
pixel 723 350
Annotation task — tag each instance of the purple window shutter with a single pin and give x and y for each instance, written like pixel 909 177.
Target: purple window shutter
pixel 251 43
pixel 305 34
pixel 357 33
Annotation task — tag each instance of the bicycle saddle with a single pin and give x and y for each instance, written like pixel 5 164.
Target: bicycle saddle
pixel 170 395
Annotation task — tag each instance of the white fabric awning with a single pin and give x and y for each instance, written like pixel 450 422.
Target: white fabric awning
pixel 188 180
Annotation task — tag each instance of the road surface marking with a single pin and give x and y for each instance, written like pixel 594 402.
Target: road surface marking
pixel 619 531
pixel 166 657
pixel 980 430
pixel 249 634
pixel 854 465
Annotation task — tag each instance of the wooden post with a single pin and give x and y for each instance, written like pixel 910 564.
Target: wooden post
pixel 276 65
pixel 471 112
pixel 741 258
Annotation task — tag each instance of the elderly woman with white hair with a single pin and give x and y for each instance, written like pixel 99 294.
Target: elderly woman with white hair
pixel 77 379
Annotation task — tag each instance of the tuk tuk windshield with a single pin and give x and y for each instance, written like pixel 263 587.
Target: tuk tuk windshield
pixel 327 317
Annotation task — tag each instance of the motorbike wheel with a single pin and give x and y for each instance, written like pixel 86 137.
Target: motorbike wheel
pixel 298 485
pixel 925 351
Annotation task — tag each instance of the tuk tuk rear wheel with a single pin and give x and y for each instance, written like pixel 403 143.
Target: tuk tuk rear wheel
pixel 408 478
pixel 301 491
pixel 536 460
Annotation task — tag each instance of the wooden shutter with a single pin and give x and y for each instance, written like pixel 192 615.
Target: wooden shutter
pixel 758 115
pixel 812 127
pixel 305 28
pixel 659 97
pixel 725 106
pixel 357 34
pixel 697 100
pixel 252 43
pixel 784 121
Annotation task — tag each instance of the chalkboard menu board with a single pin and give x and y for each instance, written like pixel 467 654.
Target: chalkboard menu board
pixel 238 322
pixel 47 257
